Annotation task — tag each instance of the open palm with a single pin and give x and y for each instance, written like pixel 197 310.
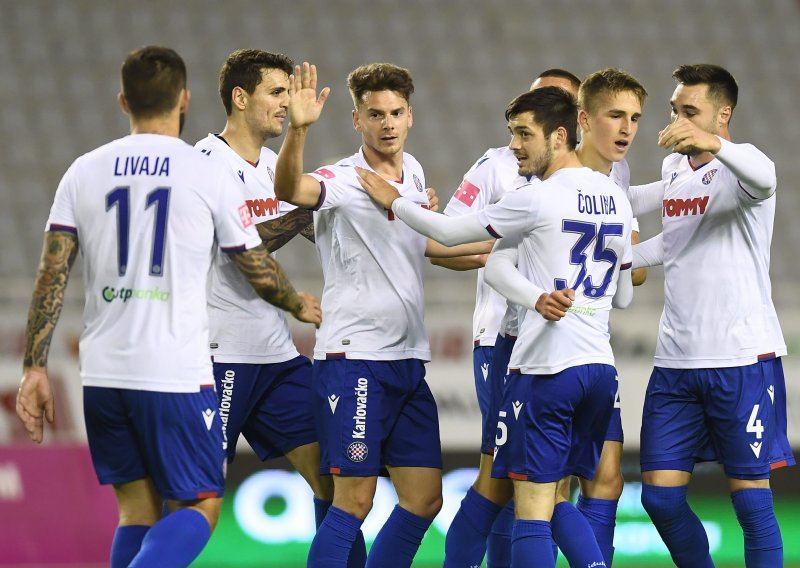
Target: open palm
pixel 304 104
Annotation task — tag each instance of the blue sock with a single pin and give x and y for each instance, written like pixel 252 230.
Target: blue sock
pixel 574 536
pixel 679 527
pixel 126 544
pixel 334 539
pixel 531 544
pixel 762 537
pixel 398 540
pixel 358 552
pixel 602 517
pixel 174 541
pixel 498 545
pixel 321 507
pixel 465 543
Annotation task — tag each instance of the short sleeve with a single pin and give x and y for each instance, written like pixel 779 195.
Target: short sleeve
pixel 62 214
pixel 512 215
pixel 335 186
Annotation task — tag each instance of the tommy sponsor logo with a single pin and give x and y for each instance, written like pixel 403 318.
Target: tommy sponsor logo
pixel 360 418
pixel 333 402
pixel 709 176
pixel 226 399
pixel 485 370
pixel 208 416
pixel 771 393
pixel 261 207
pixel 357 452
pixel 679 207
pixel 110 294
pixel 417 183
pixel 517 407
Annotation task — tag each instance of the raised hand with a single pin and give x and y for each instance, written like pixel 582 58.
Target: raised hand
pixel 554 306
pixel 310 311
pixel 433 199
pixel 35 402
pixel 380 190
pixel 304 104
pixel 685 137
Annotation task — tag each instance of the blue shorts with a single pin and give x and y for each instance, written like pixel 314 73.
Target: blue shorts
pixel 498 366
pixel 173 438
pixel 736 415
pixel 614 433
pixel 270 404
pixel 372 414
pixel 553 426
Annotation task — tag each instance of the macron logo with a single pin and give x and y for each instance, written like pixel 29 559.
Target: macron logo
pixel 771 393
pixel 241 175
pixel 208 416
pixel 485 371
pixel 517 407
pixel 756 447
pixel 333 401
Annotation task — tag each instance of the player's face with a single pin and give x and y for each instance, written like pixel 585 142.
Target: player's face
pixel 266 109
pixel 692 103
pixel 611 127
pixel 533 151
pixel 383 118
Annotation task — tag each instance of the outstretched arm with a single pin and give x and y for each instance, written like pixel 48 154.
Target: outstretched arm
pixel 304 110
pixel 270 282
pixel 650 252
pixel 35 398
pixel 277 232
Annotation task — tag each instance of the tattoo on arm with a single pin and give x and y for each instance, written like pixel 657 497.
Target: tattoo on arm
pixel 268 278
pixel 277 232
pixel 58 254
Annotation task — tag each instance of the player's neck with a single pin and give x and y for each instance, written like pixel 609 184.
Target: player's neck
pixel 592 159
pixel 385 165
pixel 562 161
pixel 166 126
pixel 243 141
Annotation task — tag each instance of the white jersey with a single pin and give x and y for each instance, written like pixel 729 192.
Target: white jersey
pixel 718 309
pixel 491 177
pixel 372 302
pixel 146 209
pixel 575 229
pixel 243 328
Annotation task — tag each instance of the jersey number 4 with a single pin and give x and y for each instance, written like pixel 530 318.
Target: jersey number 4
pixel 120 198
pixel 590 233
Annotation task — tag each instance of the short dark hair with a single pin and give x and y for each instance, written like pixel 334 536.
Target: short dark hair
pixel 379 77
pixel 243 69
pixel 608 81
pixel 561 74
pixel 152 79
pixel 552 108
pixel 722 87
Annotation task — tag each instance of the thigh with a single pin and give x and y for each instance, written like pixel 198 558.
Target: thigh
pixel 674 432
pixel 413 434
pixel 112 438
pixel 284 417
pixel 741 418
pixel 180 436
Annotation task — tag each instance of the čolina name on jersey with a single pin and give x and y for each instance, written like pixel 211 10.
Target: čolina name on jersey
pixel 141 165
pixel 596 204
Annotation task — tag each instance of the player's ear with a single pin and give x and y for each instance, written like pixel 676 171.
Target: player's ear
pixel 583 120
pixel 559 137
pixel 724 115
pixel 185 96
pixel 410 117
pixel 356 121
pixel 239 98
pixel 123 104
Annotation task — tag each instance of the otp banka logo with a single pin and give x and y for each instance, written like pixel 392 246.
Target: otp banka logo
pixel 357 451
pixel 124 294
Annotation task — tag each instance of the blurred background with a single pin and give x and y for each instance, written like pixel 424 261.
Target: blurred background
pixel 59 77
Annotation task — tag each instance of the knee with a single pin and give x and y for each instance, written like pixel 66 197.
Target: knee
pixel 607 486
pixel 357 504
pixel 321 486
pixel 427 506
pixel 663 503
